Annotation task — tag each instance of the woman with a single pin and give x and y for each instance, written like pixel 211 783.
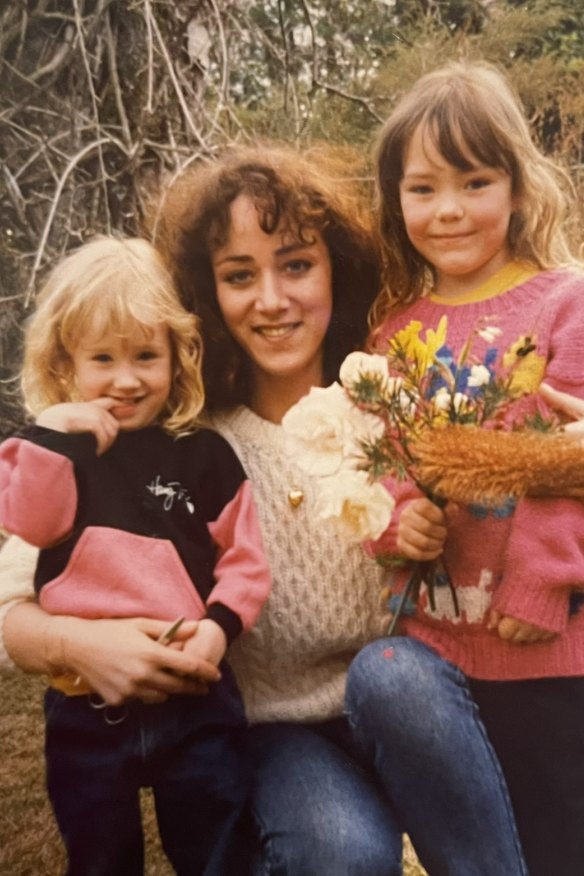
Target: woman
pixel 275 253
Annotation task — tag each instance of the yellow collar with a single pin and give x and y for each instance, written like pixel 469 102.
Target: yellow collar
pixel 511 275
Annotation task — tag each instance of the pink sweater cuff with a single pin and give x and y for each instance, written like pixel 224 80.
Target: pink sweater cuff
pixel 386 545
pixel 534 603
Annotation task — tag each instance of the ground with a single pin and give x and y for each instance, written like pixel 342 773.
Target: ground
pixel 29 841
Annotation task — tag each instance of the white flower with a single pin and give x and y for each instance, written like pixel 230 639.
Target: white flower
pixel 395 386
pixel 460 402
pixel 489 333
pixel 359 365
pixel 324 430
pixel 406 402
pixel 374 369
pixel 442 399
pixel 479 375
pixel 360 509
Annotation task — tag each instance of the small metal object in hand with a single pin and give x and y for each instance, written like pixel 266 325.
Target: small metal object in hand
pixel 117 714
pixel 168 635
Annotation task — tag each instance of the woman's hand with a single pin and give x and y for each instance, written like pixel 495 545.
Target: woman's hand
pixel 421 530
pixel 567 404
pixel 119 659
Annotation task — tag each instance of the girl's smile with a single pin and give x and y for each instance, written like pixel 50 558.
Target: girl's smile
pixel 134 371
pixel 458 220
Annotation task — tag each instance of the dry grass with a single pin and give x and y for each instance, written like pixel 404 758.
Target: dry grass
pixel 29 840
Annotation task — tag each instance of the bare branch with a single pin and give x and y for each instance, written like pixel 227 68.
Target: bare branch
pixel 94 104
pixel 55 203
pixel 172 74
pixel 351 97
pixel 150 51
pixel 113 69
pixel 59 58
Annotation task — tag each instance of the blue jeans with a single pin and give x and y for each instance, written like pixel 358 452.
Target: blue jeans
pixel 417 724
pixel 188 750
pixel 318 811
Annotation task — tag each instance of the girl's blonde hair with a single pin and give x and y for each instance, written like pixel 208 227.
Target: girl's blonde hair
pixel 107 286
pixel 471 114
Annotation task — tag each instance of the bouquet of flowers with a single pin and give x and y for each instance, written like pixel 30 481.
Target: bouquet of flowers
pixel 455 426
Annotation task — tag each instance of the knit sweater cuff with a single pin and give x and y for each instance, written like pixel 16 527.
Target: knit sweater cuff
pixel 386 544
pixel 229 622
pixel 18 561
pixel 6 661
pixel 534 603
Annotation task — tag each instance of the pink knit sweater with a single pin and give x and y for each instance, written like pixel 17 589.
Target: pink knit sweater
pixel 527 561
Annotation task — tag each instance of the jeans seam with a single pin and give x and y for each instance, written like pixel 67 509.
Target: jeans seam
pixel 502 783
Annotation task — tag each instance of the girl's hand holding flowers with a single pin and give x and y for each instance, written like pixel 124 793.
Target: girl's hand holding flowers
pixel 421 530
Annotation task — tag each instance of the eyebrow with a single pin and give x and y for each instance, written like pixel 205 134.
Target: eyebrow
pixel 418 174
pixel 297 246
pixel 422 175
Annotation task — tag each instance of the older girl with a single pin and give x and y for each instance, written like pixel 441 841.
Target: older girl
pixel 471 219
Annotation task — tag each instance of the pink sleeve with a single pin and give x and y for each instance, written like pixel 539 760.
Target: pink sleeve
pixel 38 496
pixel 386 545
pixel 544 562
pixel 565 357
pixel 242 571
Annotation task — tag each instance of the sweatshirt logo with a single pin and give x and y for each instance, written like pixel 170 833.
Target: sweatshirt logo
pixel 172 492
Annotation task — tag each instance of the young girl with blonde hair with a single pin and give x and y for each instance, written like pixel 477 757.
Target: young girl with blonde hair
pixel 472 220
pixel 137 513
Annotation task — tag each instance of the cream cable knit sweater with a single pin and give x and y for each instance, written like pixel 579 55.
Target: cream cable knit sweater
pixel 325 602
pixel 17 566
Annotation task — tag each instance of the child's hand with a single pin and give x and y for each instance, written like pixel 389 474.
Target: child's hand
pixel 567 404
pixel 421 530
pixel 89 416
pixel 208 642
pixel 518 632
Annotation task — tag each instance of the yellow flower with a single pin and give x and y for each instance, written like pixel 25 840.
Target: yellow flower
pixel 527 375
pixel 526 366
pixel 422 353
pixel 437 339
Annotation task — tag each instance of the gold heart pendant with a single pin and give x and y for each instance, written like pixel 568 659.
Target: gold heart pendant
pixel 295 497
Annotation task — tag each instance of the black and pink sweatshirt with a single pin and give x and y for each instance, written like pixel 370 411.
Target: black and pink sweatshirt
pixel 155 527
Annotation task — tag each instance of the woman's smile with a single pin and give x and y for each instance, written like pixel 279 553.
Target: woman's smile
pixel 275 294
pixel 276 332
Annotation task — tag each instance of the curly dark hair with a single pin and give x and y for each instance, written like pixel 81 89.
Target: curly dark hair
pixel 314 191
